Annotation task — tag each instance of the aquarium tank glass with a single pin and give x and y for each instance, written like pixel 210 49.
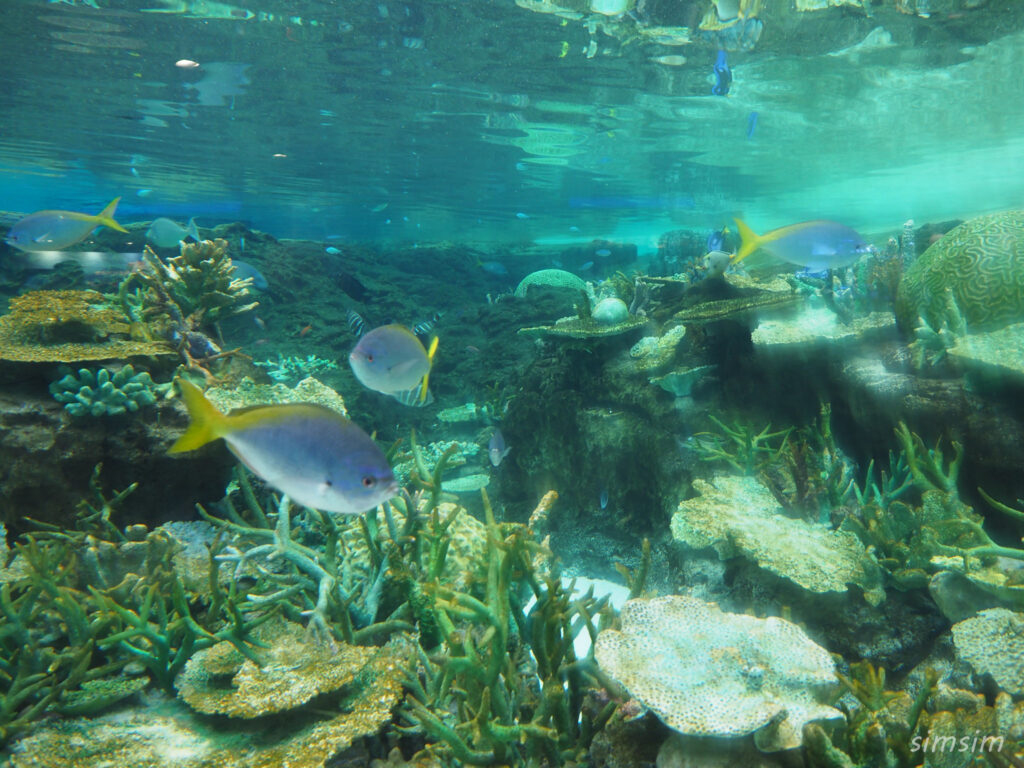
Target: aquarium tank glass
pixel 514 383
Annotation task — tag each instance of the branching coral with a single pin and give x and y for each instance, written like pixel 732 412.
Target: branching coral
pixel 183 299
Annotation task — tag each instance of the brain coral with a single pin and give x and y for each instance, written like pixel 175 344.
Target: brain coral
pixel 705 672
pixel 553 278
pixel 980 263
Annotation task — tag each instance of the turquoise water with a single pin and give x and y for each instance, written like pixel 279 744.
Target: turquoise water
pixel 550 384
pixel 460 116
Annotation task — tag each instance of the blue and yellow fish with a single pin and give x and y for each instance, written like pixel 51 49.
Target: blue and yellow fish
pixel 313 454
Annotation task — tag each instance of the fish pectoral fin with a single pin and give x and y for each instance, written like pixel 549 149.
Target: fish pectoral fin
pixel 44 238
pixel 823 250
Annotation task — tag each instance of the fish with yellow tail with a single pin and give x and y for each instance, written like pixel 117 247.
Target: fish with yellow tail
pixel 392 361
pixel 316 456
pixel 53 230
pixel 816 245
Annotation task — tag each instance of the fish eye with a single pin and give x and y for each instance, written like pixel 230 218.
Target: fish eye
pixel 328 483
pixel 369 482
pixel 369 357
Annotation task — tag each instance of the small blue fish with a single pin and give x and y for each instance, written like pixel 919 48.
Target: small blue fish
pixel 603 253
pixel 496 448
pixel 332 250
pixel 495 268
pixel 751 124
pixel 586 265
pixel 53 230
pixel 604 498
pixel 522 215
pixel 716 240
pixel 723 75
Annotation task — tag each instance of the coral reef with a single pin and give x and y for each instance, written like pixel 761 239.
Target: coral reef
pixel 979 264
pixel 70 327
pixel 726 675
pixel 551 278
pixel 181 300
pixel 98 393
pixel 739 516
pixel 292 369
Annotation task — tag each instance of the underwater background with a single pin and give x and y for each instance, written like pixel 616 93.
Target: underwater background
pixel 606 383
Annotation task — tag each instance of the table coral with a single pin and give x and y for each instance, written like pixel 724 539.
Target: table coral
pixel 69 327
pixel 705 672
pixel 739 516
pixel 294 670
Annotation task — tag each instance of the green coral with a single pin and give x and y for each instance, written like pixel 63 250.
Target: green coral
pixel 101 393
pixel 552 278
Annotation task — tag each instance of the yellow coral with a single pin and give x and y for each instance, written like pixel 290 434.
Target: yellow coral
pixel 69 327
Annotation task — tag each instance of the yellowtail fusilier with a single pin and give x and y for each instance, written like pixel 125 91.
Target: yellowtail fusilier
pixel 315 455
pixel 392 361
pixel 53 230
pixel 817 244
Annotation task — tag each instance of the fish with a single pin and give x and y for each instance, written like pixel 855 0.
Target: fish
pixel 423 327
pixel 723 75
pixel 495 268
pixel 819 244
pixel 751 124
pixel 332 250
pixel 316 456
pixel 391 360
pixel 166 233
pixel 244 270
pixel 603 253
pixel 496 448
pixel 716 240
pixel 586 265
pixel 716 262
pixel 603 498
pixel 53 230
pixel 355 322
pixel 304 331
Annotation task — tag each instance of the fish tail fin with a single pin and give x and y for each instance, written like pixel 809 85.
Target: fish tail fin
pixel 750 241
pixel 193 230
pixel 106 216
pixel 426 377
pixel 207 423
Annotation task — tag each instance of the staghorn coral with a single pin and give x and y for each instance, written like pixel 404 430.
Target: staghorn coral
pixel 101 394
pixel 705 672
pixel 70 327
